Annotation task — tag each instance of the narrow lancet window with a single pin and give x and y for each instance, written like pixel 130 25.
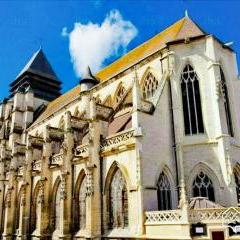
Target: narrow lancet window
pixel 237 181
pixel 82 204
pixel 203 187
pixel 57 208
pixel 164 193
pixel 149 86
pixel 118 202
pixel 226 103
pixel 191 100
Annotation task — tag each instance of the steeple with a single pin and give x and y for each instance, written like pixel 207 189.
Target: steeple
pixel 88 80
pixel 89 77
pixel 39 75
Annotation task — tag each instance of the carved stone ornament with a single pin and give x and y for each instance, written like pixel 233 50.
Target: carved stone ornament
pixel 89 187
pixel 63 194
pixel 8 198
pixel 41 192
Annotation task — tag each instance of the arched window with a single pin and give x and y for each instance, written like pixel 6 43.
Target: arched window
pixel 149 86
pixel 118 205
pixel 164 193
pixel 57 209
pixel 82 204
pixel 226 103
pixel 203 187
pixel 35 210
pixel 191 100
pixel 18 213
pixel 237 181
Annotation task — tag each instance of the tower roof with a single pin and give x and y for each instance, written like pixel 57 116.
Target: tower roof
pixel 38 64
pixel 89 77
pixel 39 75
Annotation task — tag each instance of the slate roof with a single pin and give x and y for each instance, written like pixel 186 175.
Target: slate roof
pixel 38 64
pixel 184 28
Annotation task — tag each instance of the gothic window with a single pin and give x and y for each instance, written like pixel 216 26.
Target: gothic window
pixel 17 216
pixel 82 204
pixel 191 100
pixel 118 205
pixel 120 93
pixel 226 102
pixel 203 187
pixel 149 86
pixel 36 210
pixel 56 217
pixel 237 181
pixel 164 193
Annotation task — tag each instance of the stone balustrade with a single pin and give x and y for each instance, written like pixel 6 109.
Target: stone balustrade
pixel 117 140
pixel 206 215
pixel 57 159
pixel 37 165
pixel 215 215
pixel 164 217
pixel 82 151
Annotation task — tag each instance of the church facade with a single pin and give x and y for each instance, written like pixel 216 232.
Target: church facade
pixel 148 148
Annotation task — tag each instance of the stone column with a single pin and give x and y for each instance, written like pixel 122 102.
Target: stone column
pixel 66 181
pixel 93 201
pixel 10 206
pixel 136 124
pixel 44 224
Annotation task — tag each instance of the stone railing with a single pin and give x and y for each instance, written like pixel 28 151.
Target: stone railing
pixel 57 159
pixel 37 165
pixel 82 151
pixel 117 140
pixel 215 215
pixel 164 217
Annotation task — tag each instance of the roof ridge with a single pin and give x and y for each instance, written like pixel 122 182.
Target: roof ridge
pixel 142 44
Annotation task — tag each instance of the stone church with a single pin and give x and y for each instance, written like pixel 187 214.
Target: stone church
pixel 147 148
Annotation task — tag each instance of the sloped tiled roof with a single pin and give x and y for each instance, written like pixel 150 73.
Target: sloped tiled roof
pixel 184 28
pixel 39 64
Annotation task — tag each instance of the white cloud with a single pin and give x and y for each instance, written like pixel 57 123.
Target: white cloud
pixel 91 44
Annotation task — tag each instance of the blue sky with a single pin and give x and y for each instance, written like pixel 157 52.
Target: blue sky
pixel 26 25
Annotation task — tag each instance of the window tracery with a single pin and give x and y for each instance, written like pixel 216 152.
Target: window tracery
pixel 226 103
pixel 82 204
pixel 164 193
pixel 150 86
pixel 237 181
pixel 57 209
pixel 191 100
pixel 118 212
pixel 203 187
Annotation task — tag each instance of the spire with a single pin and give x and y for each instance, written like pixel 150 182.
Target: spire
pixel 38 64
pixel 88 77
pixel 39 76
pixel 186 13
